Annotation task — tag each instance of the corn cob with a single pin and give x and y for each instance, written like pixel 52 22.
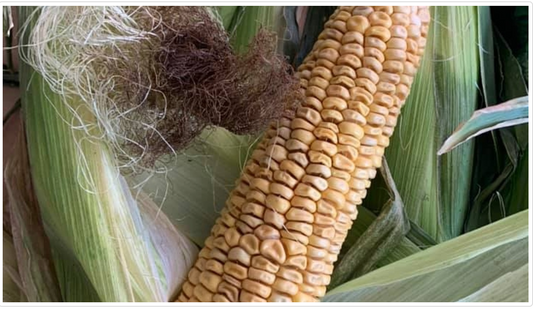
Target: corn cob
pixel 284 224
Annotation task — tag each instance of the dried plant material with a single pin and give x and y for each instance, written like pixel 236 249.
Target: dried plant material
pixel 35 266
pixel 155 77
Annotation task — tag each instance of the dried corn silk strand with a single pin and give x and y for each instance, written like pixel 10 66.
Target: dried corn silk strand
pixel 284 224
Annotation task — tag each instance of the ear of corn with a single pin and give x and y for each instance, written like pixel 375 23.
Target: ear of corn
pixel 284 224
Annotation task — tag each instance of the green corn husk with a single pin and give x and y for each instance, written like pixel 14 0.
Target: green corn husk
pixel 87 208
pixel 466 268
pixel 435 190
pixel 243 23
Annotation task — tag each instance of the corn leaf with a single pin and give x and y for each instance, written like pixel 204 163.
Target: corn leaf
pixel 481 259
pixel 510 287
pixel 435 190
pixel 86 207
pixel 497 182
pixel 510 113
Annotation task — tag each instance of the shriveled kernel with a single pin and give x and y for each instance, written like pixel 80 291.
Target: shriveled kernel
pixel 290 274
pixel 319 82
pixel 273 250
pixel 316 92
pixel 250 244
pixel 324 232
pixel 292 168
pixel 261 185
pixel 274 218
pixel 232 237
pixel 281 190
pixel 303 135
pixel 398 31
pixel 266 232
pixel 251 221
pixel 329 125
pixel 325 134
pixel 309 114
pixel 252 208
pixel 374 52
pixel 257 288
pixel 330 34
pixel 336 198
pixel 331 115
pixel 343 163
pixel 380 19
pixel 304 228
pixel 329 54
pixel 221 244
pixel 386 87
pixel 285 286
pixel 338 91
pixel 376 43
pixel 307 191
pixel 319 242
pixel 318 182
pixel 372 64
pixel 345 139
pixel 311 102
pixel 321 71
pixel 210 280
pixel 261 275
pixel 362 10
pixel 338 184
pixel 353 37
pixel 352 49
pixel 352 129
pixel 343 81
pixel 278 297
pixel 299 123
pixel 325 63
pixel 262 263
pixel 296 236
pixel 214 266
pixel 295 214
pixel 304 202
pixel 230 291
pixel 350 60
pixel 297 261
pixel 343 70
pixel 293 247
pixel 319 157
pixel 390 77
pixel 235 270
pixel 248 297
pixel 202 294
pixel 379 32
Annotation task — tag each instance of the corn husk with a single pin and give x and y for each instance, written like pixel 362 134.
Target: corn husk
pixel 89 212
pixel 435 190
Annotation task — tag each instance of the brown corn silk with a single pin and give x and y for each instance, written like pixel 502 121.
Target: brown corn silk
pixel 284 224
